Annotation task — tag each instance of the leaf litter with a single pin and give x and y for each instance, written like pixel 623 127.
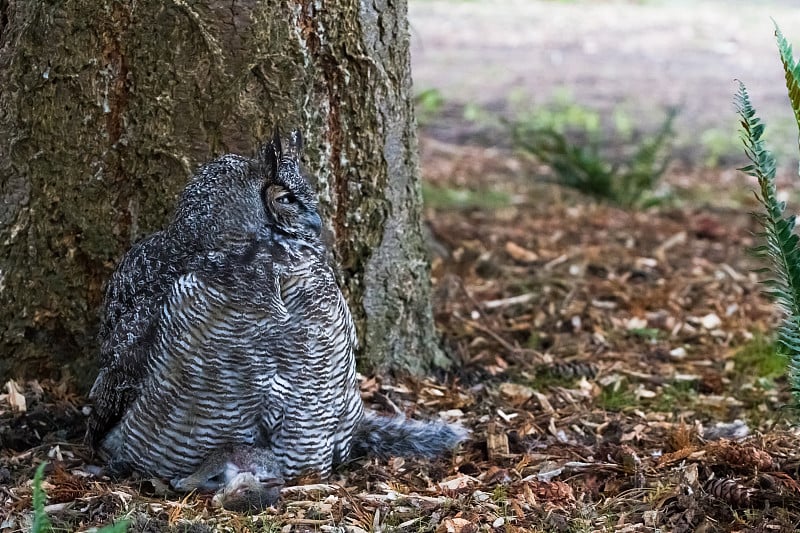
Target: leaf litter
pixel 600 370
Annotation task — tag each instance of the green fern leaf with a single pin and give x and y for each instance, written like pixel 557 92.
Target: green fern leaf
pixel 791 69
pixel 780 242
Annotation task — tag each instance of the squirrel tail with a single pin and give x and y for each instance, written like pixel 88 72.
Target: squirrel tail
pixel 387 436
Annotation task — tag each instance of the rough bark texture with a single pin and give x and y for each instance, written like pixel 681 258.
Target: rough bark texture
pixel 106 107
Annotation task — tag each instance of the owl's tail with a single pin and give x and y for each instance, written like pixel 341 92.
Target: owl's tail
pixel 387 436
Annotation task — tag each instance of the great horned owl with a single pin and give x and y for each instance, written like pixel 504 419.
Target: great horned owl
pixel 227 346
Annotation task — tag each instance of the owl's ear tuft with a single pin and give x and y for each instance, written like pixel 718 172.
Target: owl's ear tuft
pixel 276 142
pixel 269 155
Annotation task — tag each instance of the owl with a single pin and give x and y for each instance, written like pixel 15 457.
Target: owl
pixel 227 350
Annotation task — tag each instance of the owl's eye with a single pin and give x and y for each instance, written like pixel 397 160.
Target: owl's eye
pixel 276 194
pixel 286 199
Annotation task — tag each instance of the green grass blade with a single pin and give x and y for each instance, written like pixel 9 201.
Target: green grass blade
pixel 41 523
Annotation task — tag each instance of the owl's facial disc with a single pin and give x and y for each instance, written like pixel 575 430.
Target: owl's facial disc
pixel 290 213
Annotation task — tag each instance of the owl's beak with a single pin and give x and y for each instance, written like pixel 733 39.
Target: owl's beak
pixel 314 223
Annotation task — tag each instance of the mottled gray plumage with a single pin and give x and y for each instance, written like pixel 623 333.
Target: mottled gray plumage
pixel 227 349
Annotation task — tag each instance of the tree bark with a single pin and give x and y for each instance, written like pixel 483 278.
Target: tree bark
pixel 106 107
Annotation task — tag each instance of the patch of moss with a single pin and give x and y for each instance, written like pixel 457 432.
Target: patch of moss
pixel 760 358
pixel 500 494
pixel 617 397
pixel 676 396
pixel 450 198
pixel 545 378
pixel 651 334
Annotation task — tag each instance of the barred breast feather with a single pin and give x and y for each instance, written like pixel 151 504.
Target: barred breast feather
pixel 317 403
pixel 205 386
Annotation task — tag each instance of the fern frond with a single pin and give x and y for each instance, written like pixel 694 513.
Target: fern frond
pixel 648 164
pixel 791 69
pixel 780 246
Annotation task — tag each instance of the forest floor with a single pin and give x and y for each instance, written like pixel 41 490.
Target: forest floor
pixel 615 366
pixel 615 369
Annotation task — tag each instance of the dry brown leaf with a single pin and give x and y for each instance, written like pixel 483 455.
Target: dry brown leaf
pixel 676 456
pixel 557 492
pixel 681 437
pixel 787 481
pixel 636 435
pixel 369 387
pixel 496 475
pixel 458 482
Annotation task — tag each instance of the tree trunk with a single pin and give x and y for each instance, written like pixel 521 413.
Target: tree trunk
pixel 106 107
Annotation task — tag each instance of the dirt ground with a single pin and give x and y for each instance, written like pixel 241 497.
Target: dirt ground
pixel 614 366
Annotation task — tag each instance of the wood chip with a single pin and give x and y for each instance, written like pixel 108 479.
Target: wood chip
pixel 518 253
pixel 515 393
pixel 496 441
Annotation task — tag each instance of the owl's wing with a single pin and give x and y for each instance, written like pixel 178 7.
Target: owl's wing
pixel 111 395
pixel 133 293
pixel 133 297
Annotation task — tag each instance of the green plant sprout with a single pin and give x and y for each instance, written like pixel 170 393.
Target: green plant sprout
pixel 429 104
pixel 41 523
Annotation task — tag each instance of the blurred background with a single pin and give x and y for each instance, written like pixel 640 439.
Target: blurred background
pixel 610 79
